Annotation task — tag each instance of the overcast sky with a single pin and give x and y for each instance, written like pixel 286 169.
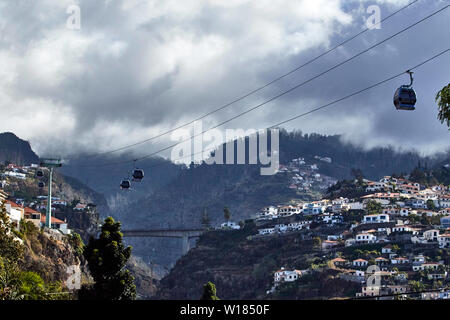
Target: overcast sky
pixel 139 67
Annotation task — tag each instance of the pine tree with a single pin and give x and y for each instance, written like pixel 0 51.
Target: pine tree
pixel 106 258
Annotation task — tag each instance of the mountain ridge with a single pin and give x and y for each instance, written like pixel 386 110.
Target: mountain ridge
pixel 16 150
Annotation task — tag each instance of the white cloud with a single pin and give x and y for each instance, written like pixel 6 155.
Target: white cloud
pixel 139 67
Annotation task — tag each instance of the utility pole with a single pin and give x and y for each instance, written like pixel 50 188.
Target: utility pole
pixel 50 163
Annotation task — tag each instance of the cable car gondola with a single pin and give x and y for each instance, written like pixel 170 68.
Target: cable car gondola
pixel 138 175
pixel 39 173
pixel 41 184
pixel 125 184
pixel 405 97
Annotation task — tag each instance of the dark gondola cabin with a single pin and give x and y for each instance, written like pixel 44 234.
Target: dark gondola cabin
pixel 138 175
pixel 41 184
pixel 39 173
pixel 405 98
pixel 125 184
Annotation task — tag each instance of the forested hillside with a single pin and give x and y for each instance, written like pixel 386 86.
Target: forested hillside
pixel 208 188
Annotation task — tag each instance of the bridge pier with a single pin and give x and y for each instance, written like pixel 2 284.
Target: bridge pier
pixel 185 247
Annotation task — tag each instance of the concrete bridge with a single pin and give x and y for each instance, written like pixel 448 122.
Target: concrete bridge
pixel 184 234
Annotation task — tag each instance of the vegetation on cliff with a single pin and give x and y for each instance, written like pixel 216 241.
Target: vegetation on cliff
pixel 33 265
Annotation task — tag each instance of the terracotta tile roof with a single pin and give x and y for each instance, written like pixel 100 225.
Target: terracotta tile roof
pixel 29 210
pixel 339 260
pixel 12 204
pixel 54 220
pixel 381 259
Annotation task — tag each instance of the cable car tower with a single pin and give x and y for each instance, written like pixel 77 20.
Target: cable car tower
pixel 50 163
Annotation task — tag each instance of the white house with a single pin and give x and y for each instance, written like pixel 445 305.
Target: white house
pixel 332 219
pixel 284 275
pixel 355 205
pixel 401 228
pixel 298 225
pixel 365 238
pixel 313 208
pixel 418 204
pixel 376 218
pixel 265 231
pixel 289 210
pixel 15 212
pixel 230 225
pixel 444 240
pixel 399 260
pixel 375 186
pixel 431 235
pixel 350 242
pixel 426 237
pixel 360 263
pixel 369 291
pixel 426 266
pixel 444 202
pixel 386 249
pixel 359 273
pixel 268 212
pixel 17 175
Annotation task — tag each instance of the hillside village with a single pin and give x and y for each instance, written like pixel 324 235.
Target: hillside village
pixel 306 175
pixel 391 240
pixel 397 234
pixel 31 206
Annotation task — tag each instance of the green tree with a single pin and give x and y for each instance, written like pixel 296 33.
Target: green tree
pixel 431 205
pixel 416 286
pixel 373 207
pixel 443 101
pixel 76 243
pixel 32 287
pixel 209 292
pixel 106 258
pixel 226 214
pixel 9 281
